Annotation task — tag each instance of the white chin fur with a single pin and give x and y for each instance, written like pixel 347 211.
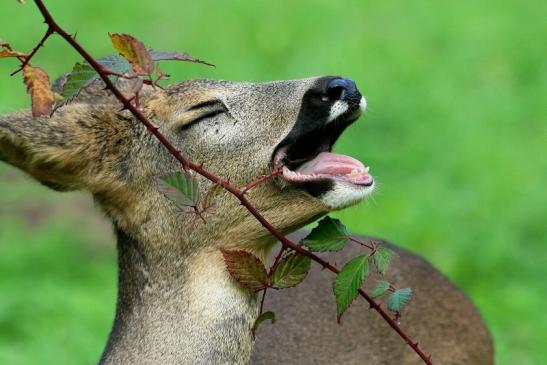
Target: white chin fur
pixel 344 194
pixel 337 109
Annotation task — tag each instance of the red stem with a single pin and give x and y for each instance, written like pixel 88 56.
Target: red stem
pixel 276 260
pixel 186 163
pixel 371 247
pixel 40 44
pixel 260 180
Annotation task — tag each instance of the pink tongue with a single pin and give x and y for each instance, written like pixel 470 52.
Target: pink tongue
pixel 332 164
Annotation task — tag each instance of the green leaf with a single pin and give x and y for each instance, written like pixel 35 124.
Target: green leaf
pixel 264 317
pixel 348 282
pixel 115 63
pixel 291 271
pixel 246 268
pixel 382 258
pixel 399 299
pixel 381 288
pixel 329 235
pixel 182 188
pixel 176 56
pixel 83 75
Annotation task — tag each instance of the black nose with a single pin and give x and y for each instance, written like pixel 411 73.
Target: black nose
pixel 344 90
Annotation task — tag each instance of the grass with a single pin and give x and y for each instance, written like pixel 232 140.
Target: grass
pixel 455 134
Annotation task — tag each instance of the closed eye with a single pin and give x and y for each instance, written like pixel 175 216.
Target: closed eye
pixel 204 110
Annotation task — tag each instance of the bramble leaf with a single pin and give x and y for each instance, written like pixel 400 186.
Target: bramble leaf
pixel 134 51
pixel 39 88
pixel 83 75
pixel 348 282
pixel 329 235
pixel 246 268
pixel 382 258
pixel 182 188
pixel 176 56
pixel 264 317
pixel 115 64
pixel 381 288
pixel 399 299
pixel 291 271
pixel 9 53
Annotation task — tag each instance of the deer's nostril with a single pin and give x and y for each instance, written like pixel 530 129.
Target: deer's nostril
pixel 344 90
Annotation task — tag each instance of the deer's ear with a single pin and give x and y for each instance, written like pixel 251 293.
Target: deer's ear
pixel 80 146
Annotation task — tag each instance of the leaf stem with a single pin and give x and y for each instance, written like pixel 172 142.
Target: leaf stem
pixel 372 247
pixel 260 180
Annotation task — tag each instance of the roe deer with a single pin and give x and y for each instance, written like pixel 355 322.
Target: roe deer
pixel 177 304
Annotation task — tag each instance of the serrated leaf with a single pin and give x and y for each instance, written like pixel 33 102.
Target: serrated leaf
pixel 176 56
pixel 291 271
pixel 269 315
pixel 10 53
pixel 83 75
pixel 329 235
pixel 246 268
pixel 382 259
pixel 182 188
pixel 399 299
pixel 134 51
pixel 348 282
pixel 381 288
pixel 39 88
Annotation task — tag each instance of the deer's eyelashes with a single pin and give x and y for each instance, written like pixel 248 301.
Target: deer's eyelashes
pixel 200 112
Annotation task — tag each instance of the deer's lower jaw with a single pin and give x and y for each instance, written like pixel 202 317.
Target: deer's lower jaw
pixel 330 166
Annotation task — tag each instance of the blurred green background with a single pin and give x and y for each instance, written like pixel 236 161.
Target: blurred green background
pixel 455 134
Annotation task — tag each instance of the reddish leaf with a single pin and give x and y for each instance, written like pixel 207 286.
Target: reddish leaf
pixel 9 53
pixel 39 88
pixel 134 51
pixel 176 56
pixel 246 268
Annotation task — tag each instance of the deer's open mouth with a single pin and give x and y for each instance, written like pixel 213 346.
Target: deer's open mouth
pixel 307 158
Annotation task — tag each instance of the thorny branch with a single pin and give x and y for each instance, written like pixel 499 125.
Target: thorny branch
pixel 53 27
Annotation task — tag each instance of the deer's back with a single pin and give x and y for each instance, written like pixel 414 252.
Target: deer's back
pixel 440 317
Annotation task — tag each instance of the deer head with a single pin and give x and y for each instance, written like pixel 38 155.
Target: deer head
pixel 174 291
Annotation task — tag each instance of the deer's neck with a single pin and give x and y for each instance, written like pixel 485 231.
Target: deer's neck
pixel 174 310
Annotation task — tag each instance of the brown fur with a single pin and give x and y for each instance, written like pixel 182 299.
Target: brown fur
pixel 176 303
